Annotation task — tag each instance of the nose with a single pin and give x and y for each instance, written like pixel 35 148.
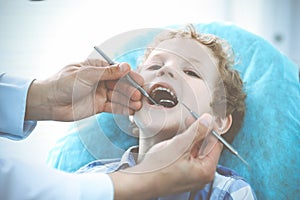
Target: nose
pixel 165 71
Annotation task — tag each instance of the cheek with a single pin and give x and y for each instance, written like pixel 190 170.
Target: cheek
pixel 199 97
pixel 142 117
pixel 203 104
pixel 147 75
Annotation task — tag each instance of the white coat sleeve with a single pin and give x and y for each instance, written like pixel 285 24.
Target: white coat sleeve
pixel 19 180
pixel 13 95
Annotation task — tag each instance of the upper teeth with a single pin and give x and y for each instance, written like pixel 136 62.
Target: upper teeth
pixel 164 89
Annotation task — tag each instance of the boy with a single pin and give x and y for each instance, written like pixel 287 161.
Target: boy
pixel 194 69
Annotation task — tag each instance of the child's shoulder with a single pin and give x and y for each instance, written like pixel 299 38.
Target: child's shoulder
pixel 225 171
pixel 229 184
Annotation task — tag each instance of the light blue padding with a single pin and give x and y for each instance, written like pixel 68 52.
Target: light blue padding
pixel 69 153
pixel 101 136
pixel 270 137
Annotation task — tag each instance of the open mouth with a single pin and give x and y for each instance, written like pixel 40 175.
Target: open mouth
pixel 163 96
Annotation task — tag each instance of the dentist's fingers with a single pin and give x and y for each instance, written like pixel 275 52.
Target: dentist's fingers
pixel 202 146
pixel 207 145
pixel 123 85
pixel 205 167
pixel 125 88
pixel 98 70
pixel 119 98
pixel 117 109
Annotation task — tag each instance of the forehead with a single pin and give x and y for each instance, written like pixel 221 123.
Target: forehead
pixel 187 48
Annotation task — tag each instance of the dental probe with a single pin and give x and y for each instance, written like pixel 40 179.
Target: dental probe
pixel 223 141
pixel 131 81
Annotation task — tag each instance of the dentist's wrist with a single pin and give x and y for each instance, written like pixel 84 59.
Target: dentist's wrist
pixel 38 105
pixel 128 185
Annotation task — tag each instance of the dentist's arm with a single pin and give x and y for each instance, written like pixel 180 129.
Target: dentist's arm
pixel 13 95
pixel 23 180
pixel 81 90
pixel 77 91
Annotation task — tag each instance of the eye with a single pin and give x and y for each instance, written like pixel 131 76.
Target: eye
pixel 154 67
pixel 191 73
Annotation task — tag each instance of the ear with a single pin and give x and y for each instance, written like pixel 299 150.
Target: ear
pixel 222 125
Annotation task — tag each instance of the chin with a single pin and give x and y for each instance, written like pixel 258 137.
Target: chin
pixel 159 124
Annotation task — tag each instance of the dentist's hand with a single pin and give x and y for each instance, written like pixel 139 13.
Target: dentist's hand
pixel 171 167
pixel 81 90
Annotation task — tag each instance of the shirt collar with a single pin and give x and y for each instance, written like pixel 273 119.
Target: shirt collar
pixel 129 158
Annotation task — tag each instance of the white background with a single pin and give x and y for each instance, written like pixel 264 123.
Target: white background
pixel 37 38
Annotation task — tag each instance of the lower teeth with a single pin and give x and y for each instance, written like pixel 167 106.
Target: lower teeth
pixel 166 102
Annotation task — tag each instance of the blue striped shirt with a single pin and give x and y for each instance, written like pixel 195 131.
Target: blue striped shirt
pixel 227 185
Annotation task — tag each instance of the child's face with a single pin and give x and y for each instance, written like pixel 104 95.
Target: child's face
pixel 177 70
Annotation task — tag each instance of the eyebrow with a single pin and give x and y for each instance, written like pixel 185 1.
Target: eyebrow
pixel 189 60
pixel 193 62
pixel 156 56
